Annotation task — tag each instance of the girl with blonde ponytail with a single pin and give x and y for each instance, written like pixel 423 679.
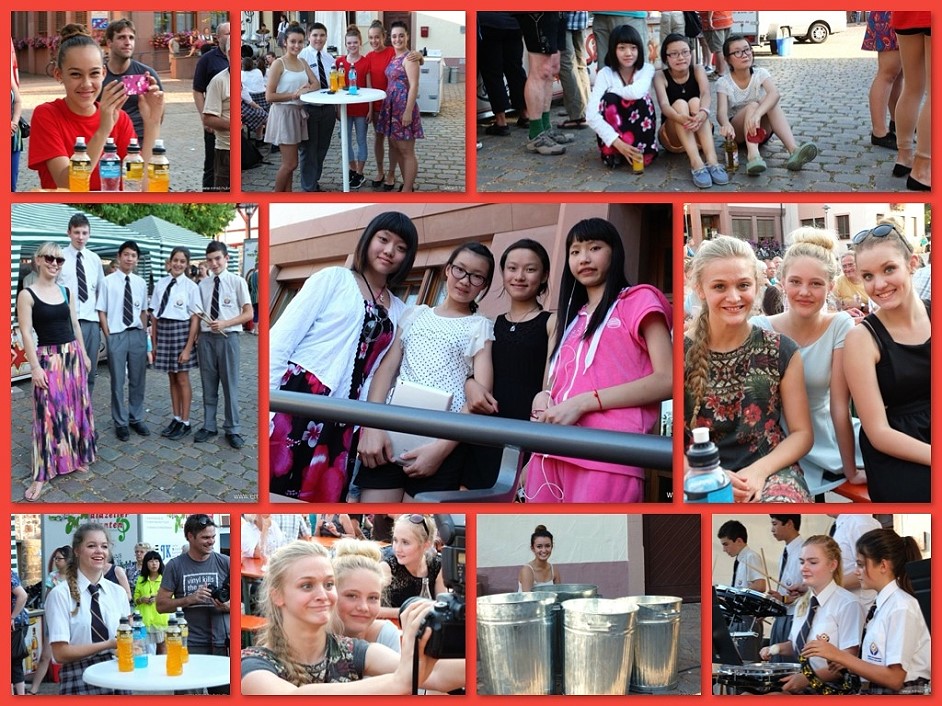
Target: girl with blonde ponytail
pixel 740 380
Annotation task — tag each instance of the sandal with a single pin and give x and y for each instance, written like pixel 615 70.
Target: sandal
pixel 30 495
pixel 572 124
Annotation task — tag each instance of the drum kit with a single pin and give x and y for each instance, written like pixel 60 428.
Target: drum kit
pixel 754 677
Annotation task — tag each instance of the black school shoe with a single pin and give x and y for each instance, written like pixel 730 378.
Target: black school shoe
pixel 180 431
pixel 170 428
pixel 123 433
pixel 204 435
pixel 888 141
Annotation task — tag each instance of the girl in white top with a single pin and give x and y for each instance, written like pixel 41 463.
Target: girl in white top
pixel 260 537
pixel 328 341
pixel 75 645
pixel 834 613
pixel 896 650
pixel 748 110
pixel 440 347
pixel 362 576
pixel 175 326
pixel 539 571
pixel 288 78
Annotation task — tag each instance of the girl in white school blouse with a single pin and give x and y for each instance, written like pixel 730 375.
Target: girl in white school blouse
pixel 174 329
pixel 896 649
pixel 77 642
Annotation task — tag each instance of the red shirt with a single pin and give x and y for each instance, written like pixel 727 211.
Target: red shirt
pixel 378 61
pixel 53 131
pixel 910 20
pixel 356 110
pixel 722 19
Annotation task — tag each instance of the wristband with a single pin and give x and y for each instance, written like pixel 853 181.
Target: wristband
pixel 705 110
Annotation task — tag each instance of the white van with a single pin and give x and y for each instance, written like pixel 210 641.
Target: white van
pixel 764 26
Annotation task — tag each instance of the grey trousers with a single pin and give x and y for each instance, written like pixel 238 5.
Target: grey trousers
pixel 91 334
pixel 219 363
pixel 312 151
pixel 127 361
pixel 573 74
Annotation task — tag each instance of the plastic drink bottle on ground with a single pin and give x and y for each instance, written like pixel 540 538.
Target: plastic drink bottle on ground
pixel 140 641
pixel 174 649
pixel 109 167
pixel 705 481
pixel 158 169
pixel 125 640
pixel 80 167
pixel 184 635
pixel 134 168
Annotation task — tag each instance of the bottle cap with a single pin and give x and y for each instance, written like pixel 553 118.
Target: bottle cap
pixel 701 435
pixel 80 143
pixel 110 146
pixel 172 621
pixel 159 146
pixel 123 621
pixel 703 453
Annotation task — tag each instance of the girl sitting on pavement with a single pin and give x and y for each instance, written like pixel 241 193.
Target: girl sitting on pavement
pixel 683 93
pixel 748 109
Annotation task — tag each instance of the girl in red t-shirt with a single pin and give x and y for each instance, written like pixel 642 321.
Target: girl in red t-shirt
pixel 358 114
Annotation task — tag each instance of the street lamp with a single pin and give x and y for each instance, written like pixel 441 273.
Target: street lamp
pixel 826 209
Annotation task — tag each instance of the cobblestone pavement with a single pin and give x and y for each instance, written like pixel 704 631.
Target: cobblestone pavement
pixel 182 131
pixel 441 155
pixel 824 93
pixel 152 469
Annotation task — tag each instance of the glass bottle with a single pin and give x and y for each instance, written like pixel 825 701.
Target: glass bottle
pixel 732 155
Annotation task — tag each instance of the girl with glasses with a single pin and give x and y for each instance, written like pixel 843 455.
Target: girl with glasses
pixel 63 422
pixel 440 347
pixel 55 574
pixel 748 109
pixel 889 373
pixel 610 368
pixel 683 92
pixel 329 341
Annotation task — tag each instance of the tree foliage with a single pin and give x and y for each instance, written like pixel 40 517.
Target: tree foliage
pixel 207 219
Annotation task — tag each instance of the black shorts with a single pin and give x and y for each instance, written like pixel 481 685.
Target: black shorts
pixel 543 32
pixel 391 475
pixel 915 30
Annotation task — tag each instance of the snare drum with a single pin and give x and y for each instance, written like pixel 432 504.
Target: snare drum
pixel 746 601
pixel 755 677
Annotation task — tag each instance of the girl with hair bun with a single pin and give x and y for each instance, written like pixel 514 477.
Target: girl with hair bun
pixel 76 642
pixel 809 271
pixel 740 380
pixel 889 375
pixel 895 655
pixel 88 111
pixel 538 571
pixel 362 576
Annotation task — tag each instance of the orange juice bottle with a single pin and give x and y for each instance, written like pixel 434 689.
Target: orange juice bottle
pixel 125 639
pixel 174 649
pixel 184 635
pixel 334 80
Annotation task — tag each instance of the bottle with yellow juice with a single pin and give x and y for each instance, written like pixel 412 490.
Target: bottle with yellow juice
pixel 80 167
pixel 174 649
pixel 184 634
pixel 125 639
pixel 158 169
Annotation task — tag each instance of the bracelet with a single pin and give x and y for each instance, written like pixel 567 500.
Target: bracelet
pixel 705 110
pixel 598 399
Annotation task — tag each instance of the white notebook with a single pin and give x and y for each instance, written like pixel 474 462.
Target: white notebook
pixel 413 394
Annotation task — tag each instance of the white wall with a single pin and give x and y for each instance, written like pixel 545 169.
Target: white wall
pixel 445 32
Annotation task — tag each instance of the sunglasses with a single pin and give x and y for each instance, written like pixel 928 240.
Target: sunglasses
pixel 417 519
pixel 375 326
pixel 203 521
pixel 52 259
pixel 880 231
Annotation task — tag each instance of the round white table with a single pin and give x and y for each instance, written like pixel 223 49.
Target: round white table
pixel 201 671
pixel 343 99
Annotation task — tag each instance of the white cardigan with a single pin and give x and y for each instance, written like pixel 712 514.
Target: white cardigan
pixel 608 81
pixel 320 328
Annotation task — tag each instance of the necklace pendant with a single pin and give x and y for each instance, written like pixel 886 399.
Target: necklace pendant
pixel 514 327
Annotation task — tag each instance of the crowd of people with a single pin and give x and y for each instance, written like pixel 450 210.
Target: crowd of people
pixel 86 595
pixel 346 335
pixel 71 305
pixel 852 622
pixel 787 409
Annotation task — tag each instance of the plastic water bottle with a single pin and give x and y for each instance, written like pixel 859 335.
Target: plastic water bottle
pixel 140 641
pixel 184 634
pixel 134 167
pixel 80 167
pixel 706 481
pixel 174 649
pixel 109 167
pixel 125 639
pixel 352 81
pixel 158 169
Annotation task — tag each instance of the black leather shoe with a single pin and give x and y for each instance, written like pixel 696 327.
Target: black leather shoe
pixel 140 428
pixel 203 435
pixel 180 431
pixel 888 141
pixel 172 427
pixel 122 433
pixel 235 441
pixel 900 170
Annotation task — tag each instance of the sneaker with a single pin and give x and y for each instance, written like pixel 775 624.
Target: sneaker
pixel 560 137
pixel 755 166
pixel 718 174
pixel 544 144
pixel 499 130
pixel 356 181
pixel 181 431
pixel 172 427
pixel 709 69
pixel 701 178
pixel 800 157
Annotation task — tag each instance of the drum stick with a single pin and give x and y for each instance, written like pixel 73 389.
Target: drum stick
pixel 765 565
pixel 756 568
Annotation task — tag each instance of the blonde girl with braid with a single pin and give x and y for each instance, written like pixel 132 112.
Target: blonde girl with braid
pixel 77 643
pixel 362 577
pixel 740 380
pixel 298 653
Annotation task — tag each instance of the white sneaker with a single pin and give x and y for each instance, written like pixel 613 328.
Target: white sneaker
pixel 544 144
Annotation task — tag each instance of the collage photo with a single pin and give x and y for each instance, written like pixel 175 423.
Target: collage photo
pixel 572 320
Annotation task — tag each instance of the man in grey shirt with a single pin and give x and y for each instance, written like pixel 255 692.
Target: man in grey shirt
pixel 121 39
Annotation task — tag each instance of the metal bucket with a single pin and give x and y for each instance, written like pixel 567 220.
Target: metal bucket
pixel 657 643
pixel 563 592
pixel 515 638
pixel 599 635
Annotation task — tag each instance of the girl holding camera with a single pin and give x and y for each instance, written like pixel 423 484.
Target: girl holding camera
pixel 415 565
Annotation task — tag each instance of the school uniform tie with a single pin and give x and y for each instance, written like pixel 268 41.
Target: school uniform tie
pixel 214 304
pixel 833 529
pixel 806 628
pixel 873 609
pixel 321 74
pixel 128 315
pixel 735 569
pixel 781 568
pixel 99 630
pixel 165 298
pixel 82 281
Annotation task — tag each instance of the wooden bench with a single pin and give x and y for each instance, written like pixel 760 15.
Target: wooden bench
pixel 251 624
pixel 855 493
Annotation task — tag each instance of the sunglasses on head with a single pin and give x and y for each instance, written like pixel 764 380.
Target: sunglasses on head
pixel 52 259
pixel 880 231
pixel 417 519
pixel 203 521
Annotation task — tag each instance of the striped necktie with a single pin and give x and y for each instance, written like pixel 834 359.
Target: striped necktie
pixel 80 275
pixel 321 74
pixel 214 303
pixel 806 628
pixel 781 569
pixel 863 635
pixel 165 298
pixel 128 315
pixel 99 630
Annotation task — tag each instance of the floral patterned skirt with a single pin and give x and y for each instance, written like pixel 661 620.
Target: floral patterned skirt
pixel 634 121
pixel 786 486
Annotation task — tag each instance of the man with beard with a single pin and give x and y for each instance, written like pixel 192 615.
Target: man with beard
pixel 120 37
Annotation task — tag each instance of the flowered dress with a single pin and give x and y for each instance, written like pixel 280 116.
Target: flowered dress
pixel 742 407
pixel 623 110
pixel 879 36
pixel 394 107
pixel 310 459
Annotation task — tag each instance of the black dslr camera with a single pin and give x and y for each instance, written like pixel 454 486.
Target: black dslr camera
pixel 219 593
pixel 447 618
